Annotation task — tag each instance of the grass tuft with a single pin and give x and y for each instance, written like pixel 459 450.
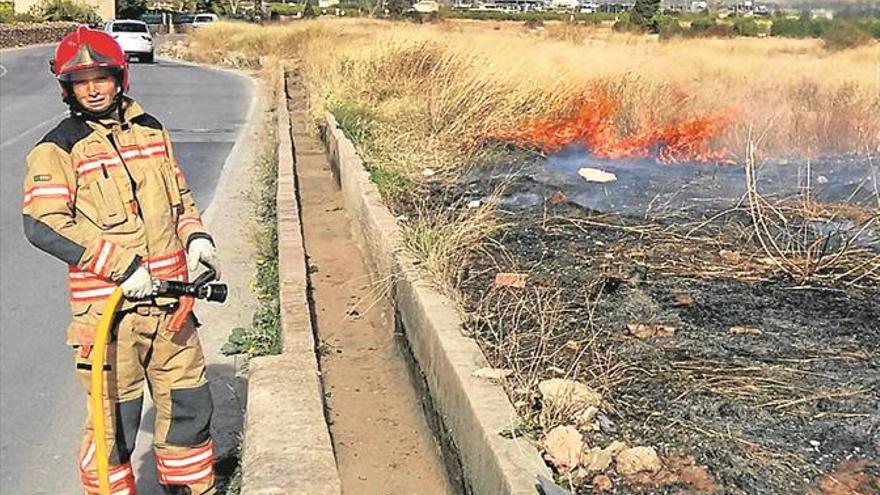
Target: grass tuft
pixel 264 336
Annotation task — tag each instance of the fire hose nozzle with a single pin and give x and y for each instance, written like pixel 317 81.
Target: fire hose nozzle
pixel 201 288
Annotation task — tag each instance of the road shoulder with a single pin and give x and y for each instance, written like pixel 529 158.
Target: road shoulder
pixel 229 219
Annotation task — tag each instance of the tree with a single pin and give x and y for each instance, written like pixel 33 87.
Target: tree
pixel 396 8
pixel 130 9
pixel 65 10
pixel 310 10
pixel 643 14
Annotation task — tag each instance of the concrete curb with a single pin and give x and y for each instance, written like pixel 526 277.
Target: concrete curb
pixel 287 447
pixel 472 411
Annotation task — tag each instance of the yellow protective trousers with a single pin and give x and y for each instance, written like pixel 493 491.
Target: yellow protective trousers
pixel 144 351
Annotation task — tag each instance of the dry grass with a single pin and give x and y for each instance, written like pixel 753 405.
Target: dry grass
pixel 531 332
pixel 443 241
pixel 433 92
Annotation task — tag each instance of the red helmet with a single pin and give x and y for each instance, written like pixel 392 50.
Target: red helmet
pixel 86 52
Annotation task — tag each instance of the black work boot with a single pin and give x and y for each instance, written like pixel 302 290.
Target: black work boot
pixel 176 490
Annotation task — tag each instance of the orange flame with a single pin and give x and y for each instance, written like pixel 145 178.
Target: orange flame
pixel 592 126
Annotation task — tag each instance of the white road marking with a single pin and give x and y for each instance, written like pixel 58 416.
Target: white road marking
pixel 3 71
pixel 37 127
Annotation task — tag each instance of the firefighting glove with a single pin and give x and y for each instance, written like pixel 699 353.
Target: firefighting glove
pixel 202 250
pixel 138 285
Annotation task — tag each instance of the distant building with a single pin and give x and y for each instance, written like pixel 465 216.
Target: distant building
pixel 426 6
pixel 514 5
pixel 565 4
pixel 105 8
pixel 699 6
pixel 822 14
pixel 589 7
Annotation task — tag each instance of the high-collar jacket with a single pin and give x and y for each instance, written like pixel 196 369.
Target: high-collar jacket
pixel 106 197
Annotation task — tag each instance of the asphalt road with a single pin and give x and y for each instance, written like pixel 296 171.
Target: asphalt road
pixel 42 408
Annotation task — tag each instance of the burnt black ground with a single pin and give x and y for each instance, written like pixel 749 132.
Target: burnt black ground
pixel 767 413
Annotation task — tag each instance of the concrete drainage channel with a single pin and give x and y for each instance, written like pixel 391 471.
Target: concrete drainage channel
pixel 347 286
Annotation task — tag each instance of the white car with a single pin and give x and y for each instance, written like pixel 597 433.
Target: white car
pixel 134 37
pixel 203 19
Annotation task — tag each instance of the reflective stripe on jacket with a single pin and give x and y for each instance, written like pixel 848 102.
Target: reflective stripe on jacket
pixel 106 198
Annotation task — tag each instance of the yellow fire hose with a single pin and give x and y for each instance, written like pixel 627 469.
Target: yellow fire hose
pixel 99 349
pixel 201 288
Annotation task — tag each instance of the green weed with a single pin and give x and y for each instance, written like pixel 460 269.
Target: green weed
pixel 356 121
pixel 392 184
pixel 264 336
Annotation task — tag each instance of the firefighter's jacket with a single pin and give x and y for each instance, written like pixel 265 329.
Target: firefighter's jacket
pixel 107 197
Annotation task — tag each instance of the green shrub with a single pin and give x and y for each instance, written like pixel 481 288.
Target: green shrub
pixel 801 27
pixel 720 31
pixel 66 10
pixel 310 10
pixel 746 26
pixel 700 25
pixel 130 9
pixel 625 24
pixel 495 15
pixel 664 20
pixel 670 28
pixel 286 8
pixel 396 8
pixel 7 14
pixel 844 34
pixel 873 27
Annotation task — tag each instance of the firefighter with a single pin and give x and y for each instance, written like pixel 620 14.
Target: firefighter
pixel 104 194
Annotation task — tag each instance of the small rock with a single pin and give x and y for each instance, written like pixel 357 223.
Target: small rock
pixel 492 373
pixel 602 483
pixel 562 447
pixel 564 395
pixel 648 330
pixel 683 299
pixel 822 179
pixel 606 425
pixel 699 479
pixel 596 175
pixel 740 330
pixel 517 280
pixel 638 460
pixel 616 447
pixel 596 459
pixel 557 198
pixel 600 459
pixel 815 443
pixel 473 204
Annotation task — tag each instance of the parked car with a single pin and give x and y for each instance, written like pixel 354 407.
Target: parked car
pixel 203 19
pixel 134 37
